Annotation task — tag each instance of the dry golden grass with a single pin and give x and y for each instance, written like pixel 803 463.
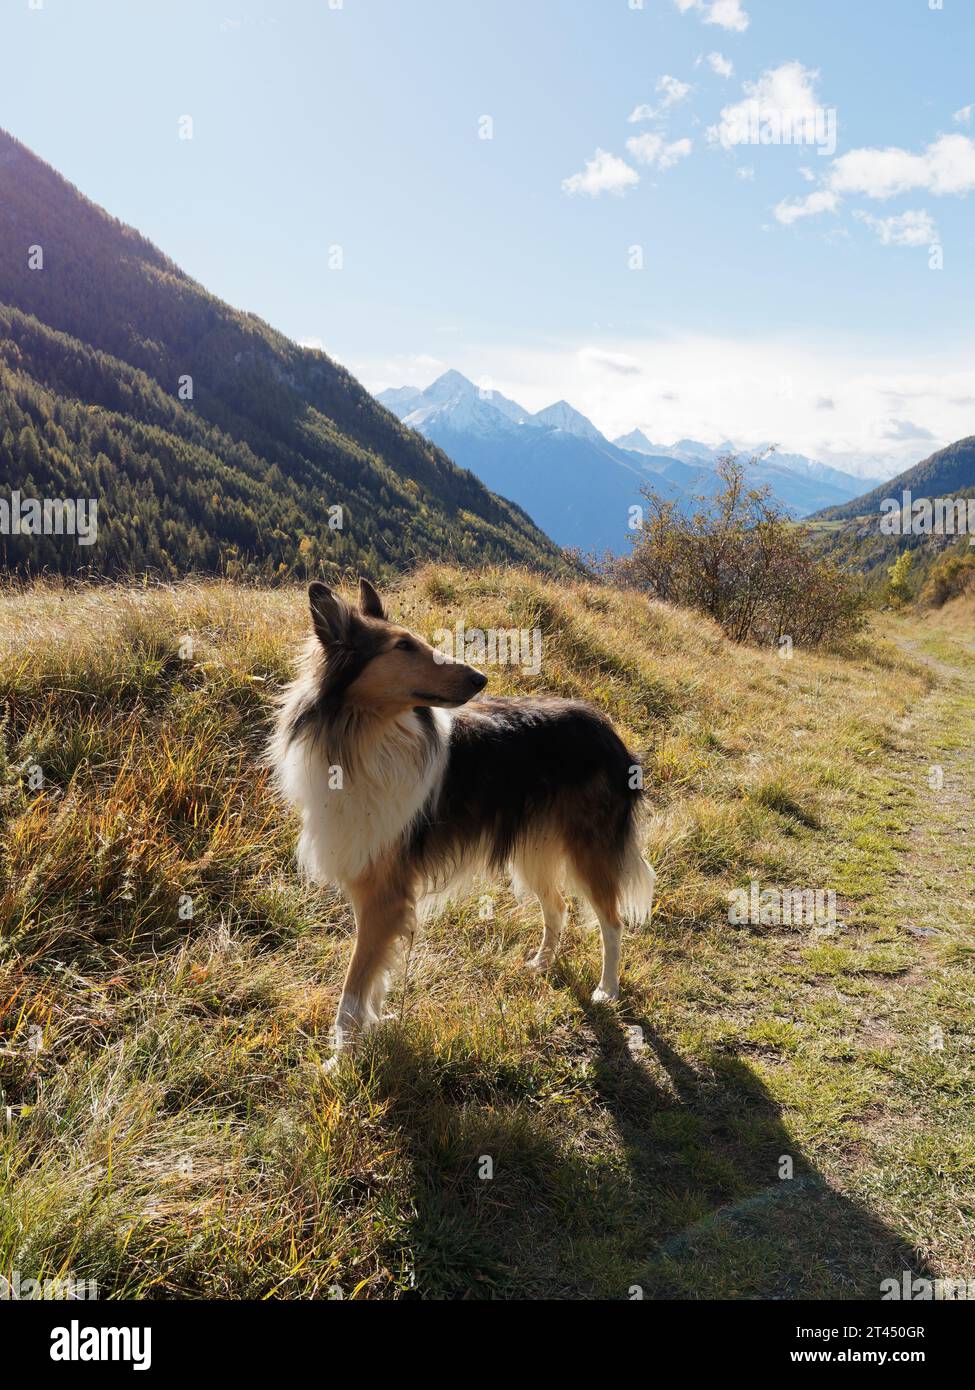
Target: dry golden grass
pixel 166 983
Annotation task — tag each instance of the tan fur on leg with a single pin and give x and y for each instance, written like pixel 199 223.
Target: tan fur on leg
pixel 385 921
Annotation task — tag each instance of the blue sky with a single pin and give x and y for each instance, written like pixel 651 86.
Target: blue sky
pixel 784 293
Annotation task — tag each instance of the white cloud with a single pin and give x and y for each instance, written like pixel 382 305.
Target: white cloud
pixel 964 116
pixel 620 363
pixel 654 150
pixel 906 429
pixel 727 14
pixel 724 67
pixel 913 228
pixel 946 166
pixel 646 147
pixel 670 90
pixel 807 174
pixel 746 172
pixel 823 200
pixel 787 92
pixel 604 173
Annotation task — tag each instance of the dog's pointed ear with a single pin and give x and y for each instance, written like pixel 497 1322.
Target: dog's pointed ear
pixel 329 614
pixel 369 601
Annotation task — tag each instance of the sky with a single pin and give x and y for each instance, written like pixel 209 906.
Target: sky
pixel 742 219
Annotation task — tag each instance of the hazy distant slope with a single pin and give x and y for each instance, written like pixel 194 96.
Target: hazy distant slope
pixel 943 474
pixel 273 436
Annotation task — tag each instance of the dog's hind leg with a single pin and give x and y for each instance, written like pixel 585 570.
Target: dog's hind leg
pixel 609 981
pixel 385 917
pixel 553 915
pixel 600 886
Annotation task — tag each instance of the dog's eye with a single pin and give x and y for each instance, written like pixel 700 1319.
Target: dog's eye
pixel 404 645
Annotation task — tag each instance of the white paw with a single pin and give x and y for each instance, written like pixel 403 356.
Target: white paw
pixel 542 961
pixel 604 996
pixel 330 1067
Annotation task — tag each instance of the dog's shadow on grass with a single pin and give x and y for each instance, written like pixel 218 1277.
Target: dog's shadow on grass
pixel 668 1181
pixel 735 1209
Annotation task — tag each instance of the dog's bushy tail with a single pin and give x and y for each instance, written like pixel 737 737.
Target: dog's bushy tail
pixel 637 880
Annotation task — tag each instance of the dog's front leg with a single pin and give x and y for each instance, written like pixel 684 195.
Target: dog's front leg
pixel 385 919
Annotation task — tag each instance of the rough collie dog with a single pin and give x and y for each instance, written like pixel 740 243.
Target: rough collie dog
pixel 408 792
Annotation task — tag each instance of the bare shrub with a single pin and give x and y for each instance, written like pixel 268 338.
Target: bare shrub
pixel 739 559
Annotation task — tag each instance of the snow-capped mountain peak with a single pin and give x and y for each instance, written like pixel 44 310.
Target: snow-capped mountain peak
pixel 575 483
pixel 562 416
pixel 448 387
pixel 637 442
pixel 466 412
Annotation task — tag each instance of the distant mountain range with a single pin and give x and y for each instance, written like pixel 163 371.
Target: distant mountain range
pixel 947 473
pixel 573 481
pixel 209 441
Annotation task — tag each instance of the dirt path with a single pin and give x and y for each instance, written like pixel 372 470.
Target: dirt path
pixel 926 1116
pixel 935 887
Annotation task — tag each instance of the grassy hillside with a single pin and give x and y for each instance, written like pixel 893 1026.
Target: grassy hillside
pixel 97 344
pixel 764 1114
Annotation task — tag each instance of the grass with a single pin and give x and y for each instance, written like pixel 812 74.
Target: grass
pixel 766 1113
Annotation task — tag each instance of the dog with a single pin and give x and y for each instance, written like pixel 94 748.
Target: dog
pixel 411 785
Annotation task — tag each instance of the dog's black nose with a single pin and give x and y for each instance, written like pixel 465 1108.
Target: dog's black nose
pixel 478 681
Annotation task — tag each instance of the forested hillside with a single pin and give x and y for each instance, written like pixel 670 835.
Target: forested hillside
pixel 210 441
pixel 852 534
pixel 950 472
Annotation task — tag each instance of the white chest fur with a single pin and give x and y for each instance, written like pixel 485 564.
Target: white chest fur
pixel 351 817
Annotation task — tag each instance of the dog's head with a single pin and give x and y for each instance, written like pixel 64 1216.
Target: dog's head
pixel 374 664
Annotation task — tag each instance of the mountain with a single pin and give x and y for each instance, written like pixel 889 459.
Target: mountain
pixel 851 534
pixel 398 397
pixel 568 477
pixel 210 441
pixel 800 484
pixel 946 473
pixel 452 403
pixel 636 441
pixel 561 416
pixel 574 482
pixel 689 450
